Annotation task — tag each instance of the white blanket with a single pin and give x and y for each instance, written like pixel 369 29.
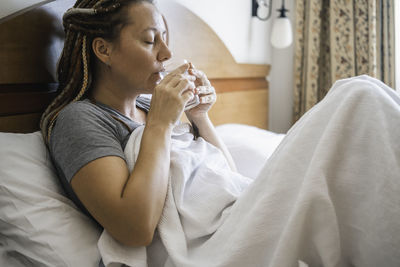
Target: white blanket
pixel 328 196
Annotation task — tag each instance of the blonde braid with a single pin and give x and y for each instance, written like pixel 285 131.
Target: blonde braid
pixel 85 71
pixel 52 111
pixel 81 92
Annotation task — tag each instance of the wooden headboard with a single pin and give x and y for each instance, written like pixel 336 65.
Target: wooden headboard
pixel 31 43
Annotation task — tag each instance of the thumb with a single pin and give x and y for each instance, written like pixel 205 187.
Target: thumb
pixel 187 95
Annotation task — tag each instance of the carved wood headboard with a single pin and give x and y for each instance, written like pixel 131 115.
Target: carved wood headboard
pixel 31 43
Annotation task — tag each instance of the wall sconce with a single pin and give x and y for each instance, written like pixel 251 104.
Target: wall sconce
pixel 281 36
pixel 259 7
pixel 12 8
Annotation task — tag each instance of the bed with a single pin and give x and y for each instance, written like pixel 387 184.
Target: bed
pixel 39 226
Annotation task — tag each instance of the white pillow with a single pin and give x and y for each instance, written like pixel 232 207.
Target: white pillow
pixel 39 225
pixel 249 146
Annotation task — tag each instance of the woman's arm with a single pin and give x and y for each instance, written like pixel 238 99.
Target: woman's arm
pixel 198 115
pixel 129 205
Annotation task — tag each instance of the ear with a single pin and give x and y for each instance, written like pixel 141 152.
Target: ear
pixel 102 49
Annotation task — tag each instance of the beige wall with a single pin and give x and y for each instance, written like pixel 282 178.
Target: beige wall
pixel 248 41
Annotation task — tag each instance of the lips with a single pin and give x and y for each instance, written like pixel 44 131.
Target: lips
pixel 160 74
pixel 161 70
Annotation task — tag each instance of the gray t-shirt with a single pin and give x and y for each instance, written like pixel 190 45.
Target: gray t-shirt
pixel 85 131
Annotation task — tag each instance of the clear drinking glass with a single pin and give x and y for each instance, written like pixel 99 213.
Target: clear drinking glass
pixel 171 65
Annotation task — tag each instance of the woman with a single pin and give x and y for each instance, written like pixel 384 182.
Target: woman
pixel 112 54
pixel 328 195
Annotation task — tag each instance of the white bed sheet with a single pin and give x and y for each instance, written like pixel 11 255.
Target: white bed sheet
pixel 328 196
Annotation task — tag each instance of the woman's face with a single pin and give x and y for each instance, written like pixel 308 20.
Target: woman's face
pixel 137 56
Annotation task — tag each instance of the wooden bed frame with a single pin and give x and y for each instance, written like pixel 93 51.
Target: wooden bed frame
pixel 31 43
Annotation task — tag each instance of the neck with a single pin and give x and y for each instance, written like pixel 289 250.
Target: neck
pixel 121 100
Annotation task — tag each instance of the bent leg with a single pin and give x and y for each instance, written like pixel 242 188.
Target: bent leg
pixel 329 195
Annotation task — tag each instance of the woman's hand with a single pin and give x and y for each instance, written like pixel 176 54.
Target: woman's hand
pixel 199 114
pixel 206 93
pixel 171 95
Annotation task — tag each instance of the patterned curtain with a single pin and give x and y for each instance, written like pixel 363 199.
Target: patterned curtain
pixel 337 39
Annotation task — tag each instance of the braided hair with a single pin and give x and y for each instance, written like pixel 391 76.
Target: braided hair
pixel 87 20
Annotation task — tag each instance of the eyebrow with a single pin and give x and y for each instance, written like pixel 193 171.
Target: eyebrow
pixel 154 30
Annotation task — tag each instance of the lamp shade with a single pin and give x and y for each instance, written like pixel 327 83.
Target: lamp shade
pixel 12 8
pixel 282 35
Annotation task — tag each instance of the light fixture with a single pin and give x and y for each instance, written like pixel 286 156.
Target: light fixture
pixel 12 8
pixel 281 36
pixel 261 9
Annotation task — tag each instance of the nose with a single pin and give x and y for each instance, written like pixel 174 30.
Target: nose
pixel 165 53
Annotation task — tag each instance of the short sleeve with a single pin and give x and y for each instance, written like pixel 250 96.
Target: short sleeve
pixel 81 134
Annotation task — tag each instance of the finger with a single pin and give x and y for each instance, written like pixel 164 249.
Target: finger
pixel 167 78
pixel 193 102
pixel 205 89
pixel 188 76
pixel 177 79
pixel 184 85
pixel 187 96
pixel 200 75
pixel 196 72
pixel 208 99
